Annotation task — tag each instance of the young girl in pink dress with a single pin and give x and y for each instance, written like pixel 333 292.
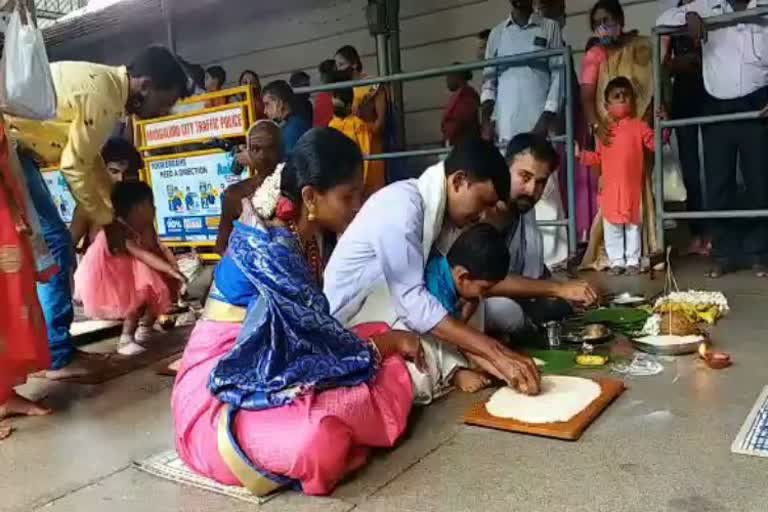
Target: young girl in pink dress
pixel 136 285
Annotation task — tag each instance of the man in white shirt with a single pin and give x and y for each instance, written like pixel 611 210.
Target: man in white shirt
pixel 524 97
pixel 735 69
pixel 527 97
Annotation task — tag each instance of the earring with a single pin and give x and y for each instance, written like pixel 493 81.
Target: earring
pixel 311 215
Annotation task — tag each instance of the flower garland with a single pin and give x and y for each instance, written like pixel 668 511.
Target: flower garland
pixel 266 197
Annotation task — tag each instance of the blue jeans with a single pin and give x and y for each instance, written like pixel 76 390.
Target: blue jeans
pixel 56 295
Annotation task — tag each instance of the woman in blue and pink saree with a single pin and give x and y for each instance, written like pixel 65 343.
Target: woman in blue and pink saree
pixel 272 390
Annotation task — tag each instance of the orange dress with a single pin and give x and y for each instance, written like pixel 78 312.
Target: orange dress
pixel 622 164
pixel 23 336
pixel 360 132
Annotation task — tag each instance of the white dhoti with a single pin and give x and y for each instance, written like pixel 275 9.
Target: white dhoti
pixel 555 238
pixel 442 360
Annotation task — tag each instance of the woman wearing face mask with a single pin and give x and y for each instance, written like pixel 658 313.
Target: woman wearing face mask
pixel 370 104
pixel 617 53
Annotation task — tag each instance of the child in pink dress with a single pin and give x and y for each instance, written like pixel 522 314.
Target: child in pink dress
pixel 621 165
pixel 134 286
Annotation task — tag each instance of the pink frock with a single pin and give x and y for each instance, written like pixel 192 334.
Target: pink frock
pixel 317 439
pixel 115 286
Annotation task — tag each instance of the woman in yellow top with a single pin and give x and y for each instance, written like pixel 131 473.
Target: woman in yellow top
pixel 345 121
pixel 370 105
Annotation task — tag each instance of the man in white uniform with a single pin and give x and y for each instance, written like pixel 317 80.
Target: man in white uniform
pixel 735 69
pixel 527 97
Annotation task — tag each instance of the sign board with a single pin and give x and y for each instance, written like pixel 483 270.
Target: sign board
pixel 62 197
pixel 207 125
pixel 188 192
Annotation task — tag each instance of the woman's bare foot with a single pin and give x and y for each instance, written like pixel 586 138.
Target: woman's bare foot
pixel 17 405
pixel 470 381
pixel 5 430
pixel 82 365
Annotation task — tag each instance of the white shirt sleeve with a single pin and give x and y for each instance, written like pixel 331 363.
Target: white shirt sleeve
pixel 491 73
pixel 557 70
pixel 397 242
pixel 675 17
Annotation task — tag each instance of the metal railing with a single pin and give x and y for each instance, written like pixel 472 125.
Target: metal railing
pixel 507 61
pixel 714 22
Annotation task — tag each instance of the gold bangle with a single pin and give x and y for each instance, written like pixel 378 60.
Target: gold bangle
pixel 376 352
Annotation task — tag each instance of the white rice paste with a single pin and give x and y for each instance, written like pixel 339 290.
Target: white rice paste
pixel 561 399
pixel 669 340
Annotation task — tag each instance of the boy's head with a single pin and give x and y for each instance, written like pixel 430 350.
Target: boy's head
pixel 278 100
pixel 620 98
pixel 342 102
pixel 482 43
pixel 327 71
pixel 479 259
pixel 215 77
pixel 133 202
pixel 122 160
pixel 457 80
pixel 299 79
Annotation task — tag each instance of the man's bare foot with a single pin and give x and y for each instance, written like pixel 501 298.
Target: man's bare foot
pixel 470 381
pixel 82 365
pixel 17 405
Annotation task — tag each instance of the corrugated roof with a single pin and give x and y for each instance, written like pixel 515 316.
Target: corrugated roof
pixel 98 19
pixel 98 22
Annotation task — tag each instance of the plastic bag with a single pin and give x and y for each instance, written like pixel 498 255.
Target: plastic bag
pixel 674 186
pixel 26 84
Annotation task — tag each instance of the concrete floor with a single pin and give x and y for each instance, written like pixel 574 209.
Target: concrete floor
pixel 663 446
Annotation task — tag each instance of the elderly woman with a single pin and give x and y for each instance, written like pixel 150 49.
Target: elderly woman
pixel 272 390
pixel 617 53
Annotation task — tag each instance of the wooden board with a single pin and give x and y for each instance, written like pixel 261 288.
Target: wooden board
pixel 570 430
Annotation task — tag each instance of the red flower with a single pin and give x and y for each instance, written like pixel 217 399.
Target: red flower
pixel 286 209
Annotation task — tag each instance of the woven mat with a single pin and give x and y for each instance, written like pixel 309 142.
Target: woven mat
pixel 168 466
pixel 753 436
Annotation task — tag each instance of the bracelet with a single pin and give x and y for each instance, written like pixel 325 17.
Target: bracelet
pixel 376 351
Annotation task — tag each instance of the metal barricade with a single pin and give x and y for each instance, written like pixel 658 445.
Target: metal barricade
pixel 714 22
pixel 511 60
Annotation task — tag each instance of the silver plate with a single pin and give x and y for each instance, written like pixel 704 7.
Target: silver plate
pixel 575 337
pixel 626 300
pixel 669 350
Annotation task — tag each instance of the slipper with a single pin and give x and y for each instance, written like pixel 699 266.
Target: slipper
pixel 718 270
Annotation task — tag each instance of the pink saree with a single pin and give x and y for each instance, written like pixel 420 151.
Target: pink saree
pixel 317 439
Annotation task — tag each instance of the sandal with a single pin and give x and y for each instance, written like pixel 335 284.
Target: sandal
pixel 718 270
pixel 715 272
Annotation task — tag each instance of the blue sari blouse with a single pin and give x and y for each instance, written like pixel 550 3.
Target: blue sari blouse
pixel 289 342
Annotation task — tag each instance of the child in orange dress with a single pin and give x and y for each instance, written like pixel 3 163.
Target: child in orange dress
pixel 348 123
pixel 139 284
pixel 622 164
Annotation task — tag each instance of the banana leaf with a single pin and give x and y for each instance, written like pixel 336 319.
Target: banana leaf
pixel 622 320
